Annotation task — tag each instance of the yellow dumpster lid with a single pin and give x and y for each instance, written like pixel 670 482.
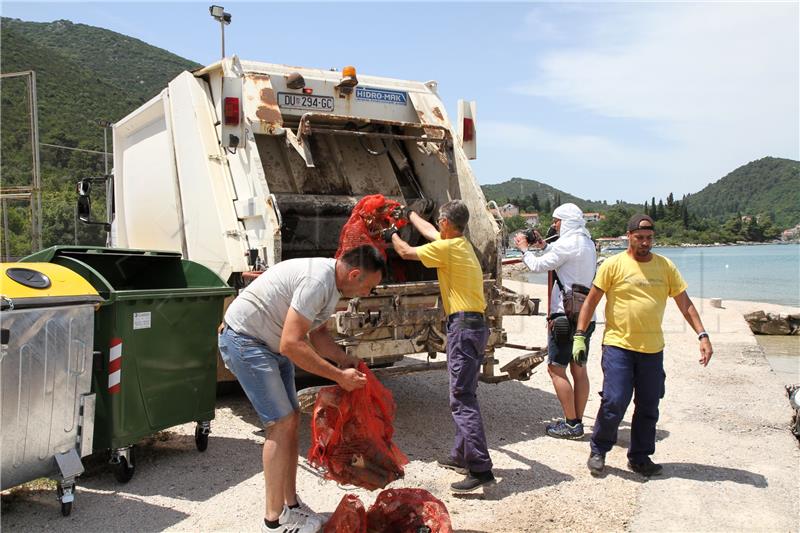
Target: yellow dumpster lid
pixel 57 284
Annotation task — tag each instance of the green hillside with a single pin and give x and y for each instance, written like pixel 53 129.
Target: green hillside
pixel 768 186
pixel 130 65
pixel 519 188
pixel 84 75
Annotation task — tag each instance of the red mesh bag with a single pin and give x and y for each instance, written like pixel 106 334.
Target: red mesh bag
pixel 351 435
pixel 408 511
pixel 371 215
pixel 349 516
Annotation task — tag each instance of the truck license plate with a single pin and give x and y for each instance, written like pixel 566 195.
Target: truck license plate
pixel 305 101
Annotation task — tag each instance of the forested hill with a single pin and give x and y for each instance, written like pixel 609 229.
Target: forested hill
pixel 132 66
pixel 84 75
pixel 517 189
pixel 768 186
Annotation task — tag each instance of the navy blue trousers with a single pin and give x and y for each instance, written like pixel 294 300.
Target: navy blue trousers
pixel 467 335
pixel 629 374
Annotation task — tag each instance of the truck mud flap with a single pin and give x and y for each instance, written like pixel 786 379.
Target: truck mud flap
pixel 519 368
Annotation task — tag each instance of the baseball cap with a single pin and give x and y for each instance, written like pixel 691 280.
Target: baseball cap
pixel 640 221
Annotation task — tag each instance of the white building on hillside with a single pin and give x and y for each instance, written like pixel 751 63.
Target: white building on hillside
pixel 509 210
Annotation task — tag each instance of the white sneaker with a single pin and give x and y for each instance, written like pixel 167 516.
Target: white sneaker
pixel 291 523
pixel 303 511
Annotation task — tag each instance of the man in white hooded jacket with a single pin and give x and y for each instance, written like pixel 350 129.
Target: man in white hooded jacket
pixel 573 258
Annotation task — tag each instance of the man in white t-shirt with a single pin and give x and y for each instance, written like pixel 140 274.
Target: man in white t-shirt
pixel 265 335
pixel 573 259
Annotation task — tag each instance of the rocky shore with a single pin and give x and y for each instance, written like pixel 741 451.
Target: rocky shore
pixel 730 461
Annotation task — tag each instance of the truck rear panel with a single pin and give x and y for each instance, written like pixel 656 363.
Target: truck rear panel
pixel 243 164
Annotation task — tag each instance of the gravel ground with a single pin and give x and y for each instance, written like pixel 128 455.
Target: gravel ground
pixel 730 462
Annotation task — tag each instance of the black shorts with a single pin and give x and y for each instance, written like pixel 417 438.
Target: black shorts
pixel 559 351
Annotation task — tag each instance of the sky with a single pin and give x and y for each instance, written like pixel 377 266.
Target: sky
pixel 606 101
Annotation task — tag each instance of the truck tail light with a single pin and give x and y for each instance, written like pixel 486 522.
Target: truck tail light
pixel 469 129
pixel 232 111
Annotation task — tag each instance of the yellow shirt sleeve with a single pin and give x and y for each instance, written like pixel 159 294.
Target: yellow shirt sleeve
pixel 604 278
pixel 435 254
pixel 458 271
pixel 676 282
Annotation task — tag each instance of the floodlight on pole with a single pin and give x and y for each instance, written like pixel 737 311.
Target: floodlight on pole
pixel 218 13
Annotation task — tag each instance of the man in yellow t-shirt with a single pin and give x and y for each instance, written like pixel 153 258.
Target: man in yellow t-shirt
pixel 461 286
pixel 637 284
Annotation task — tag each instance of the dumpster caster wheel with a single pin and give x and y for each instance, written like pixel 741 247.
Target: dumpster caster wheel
pixel 123 470
pixel 201 438
pixel 66 493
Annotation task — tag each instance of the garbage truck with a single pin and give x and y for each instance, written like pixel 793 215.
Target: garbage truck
pixel 242 164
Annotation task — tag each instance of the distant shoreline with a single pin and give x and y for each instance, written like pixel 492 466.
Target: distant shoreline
pixel 720 245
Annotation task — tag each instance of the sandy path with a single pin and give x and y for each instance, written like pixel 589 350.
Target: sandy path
pixel 730 460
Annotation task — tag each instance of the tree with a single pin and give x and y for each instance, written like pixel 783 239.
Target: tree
pixel 734 227
pixel 614 224
pixel 515 223
pixel 535 202
pixel 660 211
pixel 768 229
pixel 753 231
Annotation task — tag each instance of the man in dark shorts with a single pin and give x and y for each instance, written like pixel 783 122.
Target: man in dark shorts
pixel 572 257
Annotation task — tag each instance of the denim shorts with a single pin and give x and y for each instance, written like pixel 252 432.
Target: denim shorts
pixel 560 353
pixel 266 377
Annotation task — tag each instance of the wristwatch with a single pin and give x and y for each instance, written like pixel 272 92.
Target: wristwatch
pixel 702 335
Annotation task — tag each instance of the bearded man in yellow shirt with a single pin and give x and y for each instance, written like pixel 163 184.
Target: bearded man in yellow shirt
pixel 637 284
pixel 461 285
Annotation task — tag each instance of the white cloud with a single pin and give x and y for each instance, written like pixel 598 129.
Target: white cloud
pixel 719 84
pixel 537 26
pixel 527 138
pixel 683 62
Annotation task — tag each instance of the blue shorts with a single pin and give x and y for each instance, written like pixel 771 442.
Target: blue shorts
pixel 266 377
pixel 559 351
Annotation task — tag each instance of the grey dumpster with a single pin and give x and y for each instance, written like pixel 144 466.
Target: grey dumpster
pixel 47 415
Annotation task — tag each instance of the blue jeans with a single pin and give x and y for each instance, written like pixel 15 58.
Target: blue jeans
pixel 266 377
pixel 625 374
pixel 467 335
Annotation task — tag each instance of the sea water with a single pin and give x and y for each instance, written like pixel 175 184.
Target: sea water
pixel 764 273
pixel 759 273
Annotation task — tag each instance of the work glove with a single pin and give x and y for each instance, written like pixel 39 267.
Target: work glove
pixel 400 212
pixel 388 232
pixel 422 206
pixel 579 349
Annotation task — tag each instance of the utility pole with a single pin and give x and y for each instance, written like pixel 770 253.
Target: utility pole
pixel 218 12
pixel 105 124
pixel 33 192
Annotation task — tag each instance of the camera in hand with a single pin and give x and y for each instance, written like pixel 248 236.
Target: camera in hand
pixel 531 236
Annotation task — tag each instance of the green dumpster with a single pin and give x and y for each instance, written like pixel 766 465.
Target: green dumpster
pixel 154 344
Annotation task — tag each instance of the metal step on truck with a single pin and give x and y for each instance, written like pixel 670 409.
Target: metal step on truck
pixel 242 164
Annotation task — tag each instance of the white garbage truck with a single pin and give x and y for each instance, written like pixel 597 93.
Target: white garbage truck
pixel 242 164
